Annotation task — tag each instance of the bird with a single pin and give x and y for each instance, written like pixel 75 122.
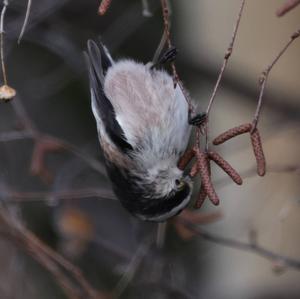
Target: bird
pixel 143 127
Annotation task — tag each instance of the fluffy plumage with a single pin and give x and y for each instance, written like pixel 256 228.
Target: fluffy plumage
pixel 143 129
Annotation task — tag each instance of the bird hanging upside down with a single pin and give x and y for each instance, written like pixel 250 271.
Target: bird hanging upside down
pixel 143 127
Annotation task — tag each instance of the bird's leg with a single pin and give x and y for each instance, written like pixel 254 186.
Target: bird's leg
pixel 168 57
pixel 197 120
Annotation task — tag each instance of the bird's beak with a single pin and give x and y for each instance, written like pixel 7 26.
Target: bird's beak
pixel 188 179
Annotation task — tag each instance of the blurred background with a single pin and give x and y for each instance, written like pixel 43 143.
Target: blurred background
pixel 52 179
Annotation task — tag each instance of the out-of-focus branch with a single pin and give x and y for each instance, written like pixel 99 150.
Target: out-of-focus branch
pixel 286 7
pixel 132 267
pixel 14 135
pixel 53 143
pixel 23 197
pixel 245 246
pixel 103 193
pixel 67 275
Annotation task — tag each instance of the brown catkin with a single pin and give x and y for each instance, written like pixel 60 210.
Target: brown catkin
pixel 185 159
pixel 258 152
pixel 201 198
pixel 205 177
pixel 195 169
pixel 232 133
pixel 104 6
pixel 226 167
pixel 202 193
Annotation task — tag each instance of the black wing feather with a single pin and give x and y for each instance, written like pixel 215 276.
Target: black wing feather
pixel 98 63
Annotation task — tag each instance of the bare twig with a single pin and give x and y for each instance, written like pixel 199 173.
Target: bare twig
pixel 226 57
pixel 5 4
pixel 221 73
pixel 166 38
pixel 165 10
pixel 159 48
pixel 25 20
pixel 264 77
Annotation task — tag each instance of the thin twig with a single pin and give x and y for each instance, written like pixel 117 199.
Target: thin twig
pixel 221 73
pixel 166 38
pixel 132 268
pixel 264 77
pixel 226 57
pixel 165 10
pixel 25 20
pixel 161 235
pixel 5 4
pixel 160 47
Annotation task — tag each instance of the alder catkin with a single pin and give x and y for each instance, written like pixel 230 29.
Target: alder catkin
pixel 202 193
pixel 258 152
pixel 185 159
pixel 232 133
pixel 205 177
pixel 201 198
pixel 104 6
pixel 226 167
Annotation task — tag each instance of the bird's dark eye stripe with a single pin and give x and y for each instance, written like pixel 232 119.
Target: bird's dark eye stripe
pixel 177 182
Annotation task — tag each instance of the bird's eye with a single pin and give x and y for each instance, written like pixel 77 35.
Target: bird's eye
pixel 180 184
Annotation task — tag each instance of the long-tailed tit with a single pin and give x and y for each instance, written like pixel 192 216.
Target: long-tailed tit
pixel 143 127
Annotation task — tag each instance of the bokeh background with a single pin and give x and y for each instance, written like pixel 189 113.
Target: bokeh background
pixel 70 205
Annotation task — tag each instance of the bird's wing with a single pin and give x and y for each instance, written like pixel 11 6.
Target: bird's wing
pixel 98 61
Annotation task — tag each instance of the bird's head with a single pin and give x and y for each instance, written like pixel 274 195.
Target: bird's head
pixel 166 192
